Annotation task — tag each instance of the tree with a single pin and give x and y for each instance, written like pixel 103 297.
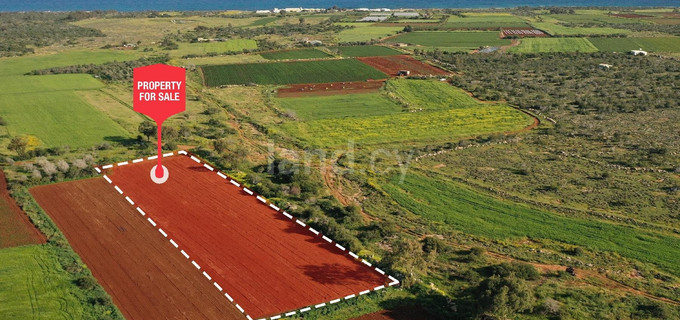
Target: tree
pixel 169 133
pixel 221 145
pixel 148 129
pixel 184 131
pixel 408 28
pixel 407 257
pixel 504 296
pixel 18 144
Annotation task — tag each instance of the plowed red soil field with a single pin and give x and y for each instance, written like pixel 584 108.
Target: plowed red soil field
pixel 15 228
pixel 268 263
pixel 333 88
pixel 144 274
pixel 393 64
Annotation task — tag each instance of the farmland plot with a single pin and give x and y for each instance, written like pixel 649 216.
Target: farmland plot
pixel 144 274
pixel 318 71
pixel 33 285
pixel 392 65
pixel 261 258
pixel 15 227
pixel 452 40
pixel 440 199
pixel 309 53
pixel 406 127
pixel 366 51
pixel 529 45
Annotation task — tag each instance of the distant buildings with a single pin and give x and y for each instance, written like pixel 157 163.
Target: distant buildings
pixel 373 19
pixel 384 14
pixel 604 66
pixel 408 15
pixel 278 10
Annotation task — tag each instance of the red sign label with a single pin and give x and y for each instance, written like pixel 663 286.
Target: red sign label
pixel 159 91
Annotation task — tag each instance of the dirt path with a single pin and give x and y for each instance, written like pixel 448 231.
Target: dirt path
pixel 329 180
pixel 513 43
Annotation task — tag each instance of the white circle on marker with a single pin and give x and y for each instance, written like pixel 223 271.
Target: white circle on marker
pixel 162 179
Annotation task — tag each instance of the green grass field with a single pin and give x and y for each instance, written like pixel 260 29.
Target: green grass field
pixel 556 29
pixel 656 44
pixel 48 108
pixel 366 33
pixel 473 213
pixel 452 40
pixel 58 118
pixel 263 21
pixel 308 53
pixel 34 286
pixel 21 65
pixel 340 106
pixel 48 83
pixel 366 51
pixel 530 45
pixel 202 48
pixel 485 22
pixel 430 95
pixel 594 19
pixel 409 126
pixel 290 72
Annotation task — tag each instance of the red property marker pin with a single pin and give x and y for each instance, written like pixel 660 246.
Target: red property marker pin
pixel 159 92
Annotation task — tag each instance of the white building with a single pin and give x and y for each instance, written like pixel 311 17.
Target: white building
pixel 639 52
pixel 373 19
pixel 263 11
pixel 406 14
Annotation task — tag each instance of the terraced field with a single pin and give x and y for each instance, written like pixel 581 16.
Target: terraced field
pixel 318 71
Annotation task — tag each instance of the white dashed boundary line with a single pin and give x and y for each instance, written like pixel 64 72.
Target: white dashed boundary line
pixel 316 233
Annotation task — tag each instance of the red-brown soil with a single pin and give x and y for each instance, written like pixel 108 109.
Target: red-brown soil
pixel 268 263
pixel 15 227
pixel 393 64
pixel 144 274
pixel 325 89
pixel 410 313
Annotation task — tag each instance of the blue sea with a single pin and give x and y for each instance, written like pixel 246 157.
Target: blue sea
pixel 196 5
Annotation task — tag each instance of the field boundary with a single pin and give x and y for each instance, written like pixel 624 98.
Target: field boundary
pixel 264 201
